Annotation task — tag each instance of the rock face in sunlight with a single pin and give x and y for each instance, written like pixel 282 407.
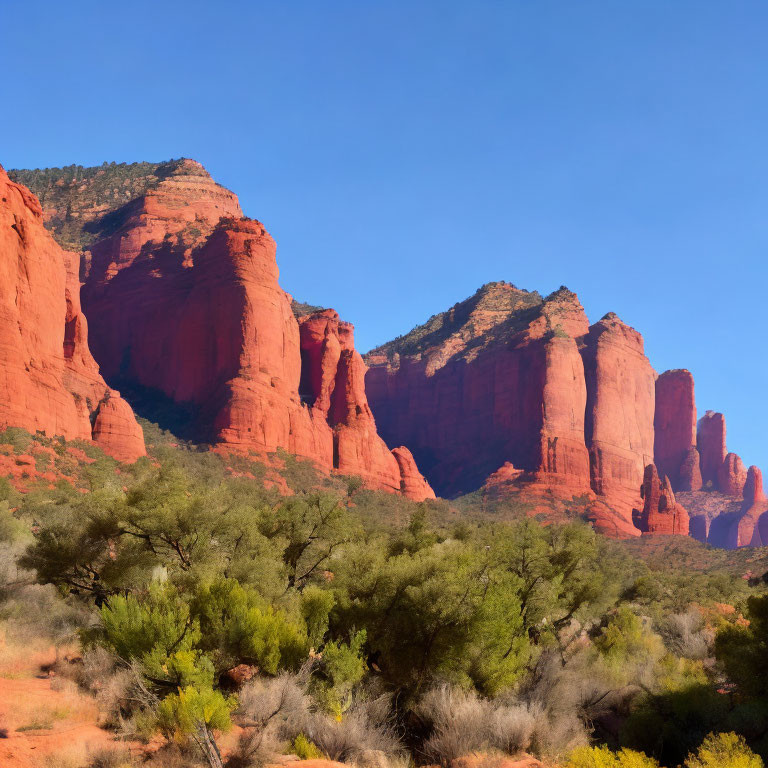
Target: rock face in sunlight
pixel 185 303
pixel 675 452
pixel 509 379
pixel 661 514
pixel 517 396
pixel 711 445
pixel 48 379
pixel 508 395
pixel 620 409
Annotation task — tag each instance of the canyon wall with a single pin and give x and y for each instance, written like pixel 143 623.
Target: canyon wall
pixel 49 381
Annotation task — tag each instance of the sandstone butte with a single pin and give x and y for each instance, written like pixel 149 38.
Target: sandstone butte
pixel 518 395
pixel 49 381
pixel 183 296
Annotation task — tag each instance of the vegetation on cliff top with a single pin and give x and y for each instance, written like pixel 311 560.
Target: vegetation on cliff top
pixel 495 311
pixel 77 197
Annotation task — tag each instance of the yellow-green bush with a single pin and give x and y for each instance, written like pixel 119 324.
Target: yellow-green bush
pixel 602 757
pixel 724 750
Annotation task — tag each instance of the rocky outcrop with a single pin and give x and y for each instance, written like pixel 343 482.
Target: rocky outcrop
pixel 49 381
pixel 661 514
pixel 690 471
pixel 751 529
pixel 732 475
pixel 674 423
pixel 184 294
pixel 620 410
pixel 711 444
pixel 499 382
pixel 412 484
pixel 498 378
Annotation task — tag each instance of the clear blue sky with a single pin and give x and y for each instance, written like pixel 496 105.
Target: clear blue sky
pixel 403 153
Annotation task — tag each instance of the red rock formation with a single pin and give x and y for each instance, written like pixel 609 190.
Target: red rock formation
pixel 690 471
pixel 498 378
pixel 333 383
pixel 620 410
pixel 711 445
pixel 498 381
pixel 48 378
pixel 412 484
pixel 661 514
pixel 751 529
pixel 186 302
pixel 675 430
pixel 732 475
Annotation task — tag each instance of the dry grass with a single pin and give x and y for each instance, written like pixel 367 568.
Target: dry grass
pixel 687 635
pixel 462 723
pixel 365 728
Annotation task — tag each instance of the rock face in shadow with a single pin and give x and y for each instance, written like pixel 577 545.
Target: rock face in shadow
pixel 48 379
pixel 751 529
pixel 184 297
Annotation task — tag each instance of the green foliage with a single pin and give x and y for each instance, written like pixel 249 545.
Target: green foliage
pixel 743 650
pixel 19 439
pixel 239 627
pixel 343 667
pixel 724 750
pixel 190 709
pixel 304 749
pixel 625 643
pixel 316 605
pixel 670 724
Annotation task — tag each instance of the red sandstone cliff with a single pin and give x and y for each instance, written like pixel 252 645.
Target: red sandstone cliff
pixel 184 297
pixel 499 383
pixel 48 379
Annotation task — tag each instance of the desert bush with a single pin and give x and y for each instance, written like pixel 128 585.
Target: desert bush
pixel 602 757
pixel 304 749
pixel 366 727
pixel 687 635
pixel 272 712
pixel 111 757
pixel 462 722
pixel 724 750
